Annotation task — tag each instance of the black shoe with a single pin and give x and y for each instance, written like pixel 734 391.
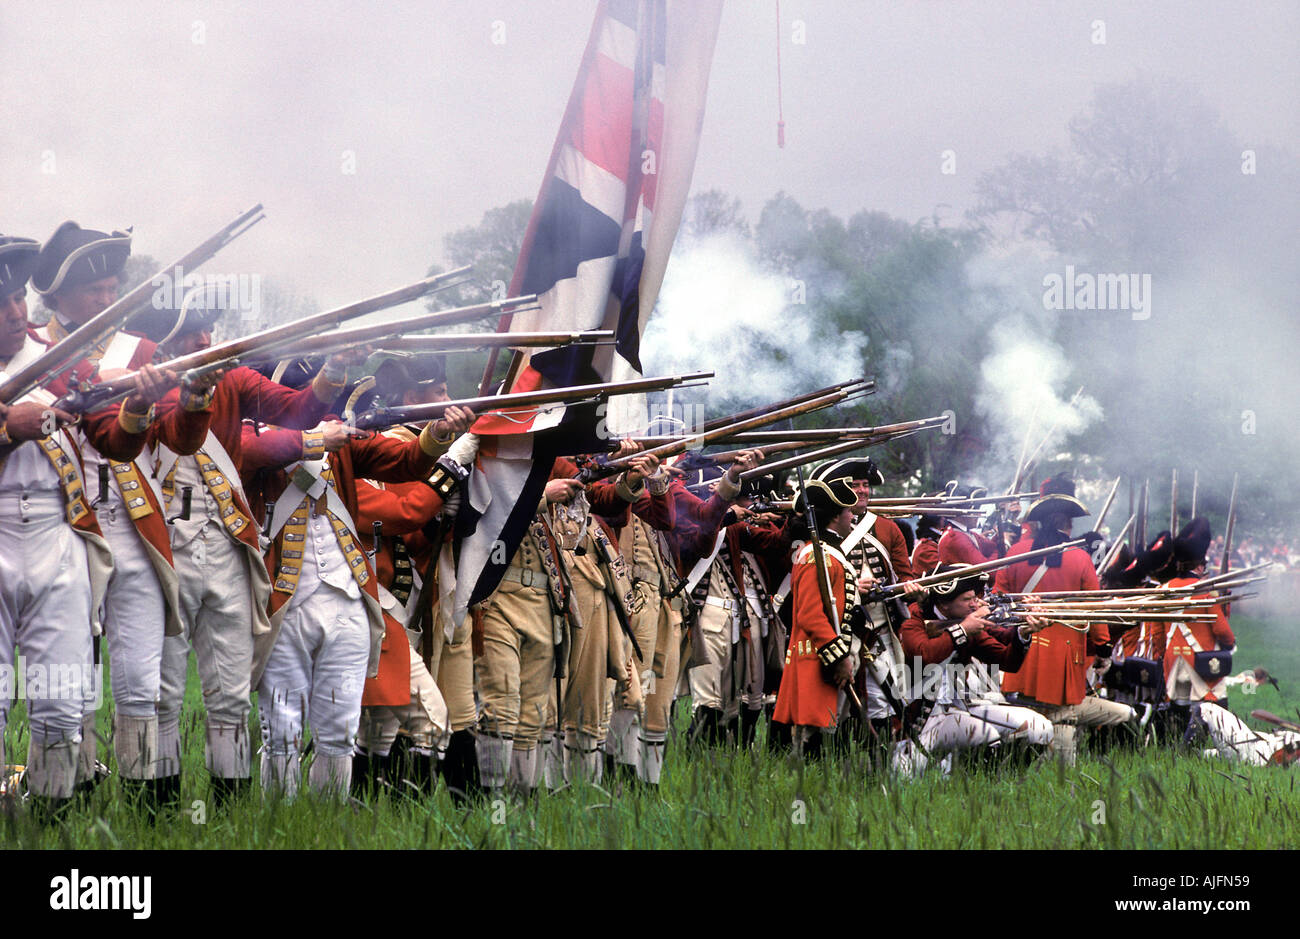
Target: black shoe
pixel 166 792
pixel 225 790
pixel 748 726
pixel 365 775
pixel 139 795
pixel 47 811
pixel 416 777
pixel 779 738
pixel 706 727
pixel 460 768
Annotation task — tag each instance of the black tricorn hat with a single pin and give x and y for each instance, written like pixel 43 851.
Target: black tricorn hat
pixel 951 589
pixel 292 373
pixel 859 467
pixel 74 256
pixel 1054 504
pixel 164 323
pixel 928 526
pixel 756 486
pixel 827 495
pixel 18 258
pixel 1192 543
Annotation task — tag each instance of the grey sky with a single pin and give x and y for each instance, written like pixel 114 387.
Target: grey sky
pixel 149 127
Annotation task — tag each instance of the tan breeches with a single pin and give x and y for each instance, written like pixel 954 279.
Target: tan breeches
pixel 518 661
pixel 667 658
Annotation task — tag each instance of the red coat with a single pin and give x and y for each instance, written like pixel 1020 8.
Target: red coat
pixel 1055 667
pixel 960 547
pixel 805 696
pixel 925 556
pixel 1209 636
pixel 403 508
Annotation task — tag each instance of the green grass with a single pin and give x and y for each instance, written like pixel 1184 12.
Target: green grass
pixel 1151 798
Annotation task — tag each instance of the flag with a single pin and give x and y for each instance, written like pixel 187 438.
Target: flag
pixel 594 252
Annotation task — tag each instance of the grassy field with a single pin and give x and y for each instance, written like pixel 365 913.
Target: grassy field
pixel 1151 798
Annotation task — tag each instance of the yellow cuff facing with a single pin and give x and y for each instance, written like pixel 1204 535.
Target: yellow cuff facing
pixel 626 492
pixel 313 444
pixel 135 423
pixel 431 444
pixel 727 490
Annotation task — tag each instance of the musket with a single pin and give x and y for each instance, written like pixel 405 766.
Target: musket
pixel 864 386
pixel 1016 480
pixel 1101 516
pixel 615 466
pixel 802 459
pixel 520 400
pixel 472 341
pixel 902 511
pixel 225 353
pixel 1140 531
pixel 1113 550
pixel 1227 532
pixel 72 348
pixel 1196 478
pixel 1173 504
pixel 948 501
pixel 876 594
pixel 1270 718
pixel 762 438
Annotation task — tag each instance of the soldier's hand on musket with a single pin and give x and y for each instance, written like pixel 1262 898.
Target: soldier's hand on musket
pixel 199 384
pixel 745 460
pixel 31 420
pixel 151 385
pixel 626 447
pixel 867 582
pixel 562 490
pixel 914 592
pixel 1035 624
pixel 641 467
pixel 842 672
pixel 454 421
pixel 975 622
pixel 336 434
pixel 356 355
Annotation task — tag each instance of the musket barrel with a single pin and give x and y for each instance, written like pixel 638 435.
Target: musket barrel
pixel 387 417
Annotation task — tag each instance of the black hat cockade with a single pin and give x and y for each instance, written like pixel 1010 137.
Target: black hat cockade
pixel 75 256
pixel 18 259
pixel 952 589
pixel 852 468
pixel 1192 543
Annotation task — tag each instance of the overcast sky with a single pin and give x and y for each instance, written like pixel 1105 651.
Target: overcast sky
pixel 171 116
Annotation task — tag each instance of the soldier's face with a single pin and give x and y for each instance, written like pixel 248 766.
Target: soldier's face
pixel 862 489
pixel 960 606
pixel 427 394
pixel 83 303
pixel 13 322
pixel 189 343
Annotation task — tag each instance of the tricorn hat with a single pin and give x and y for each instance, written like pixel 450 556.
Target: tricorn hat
pixel 18 258
pixel 1060 484
pixel 1192 543
pixel 1054 504
pixel 163 324
pixel 827 495
pixel 75 256
pixel 929 526
pixel 850 468
pixel 951 589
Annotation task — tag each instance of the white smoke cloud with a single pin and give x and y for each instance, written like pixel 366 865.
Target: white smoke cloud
pixel 722 308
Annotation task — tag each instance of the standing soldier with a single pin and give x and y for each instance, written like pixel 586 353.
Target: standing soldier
pixel 78 276
pixel 224 587
pixel 327 622
pixel 876 549
pixel 1052 678
pixel 818 663
pixel 54 562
